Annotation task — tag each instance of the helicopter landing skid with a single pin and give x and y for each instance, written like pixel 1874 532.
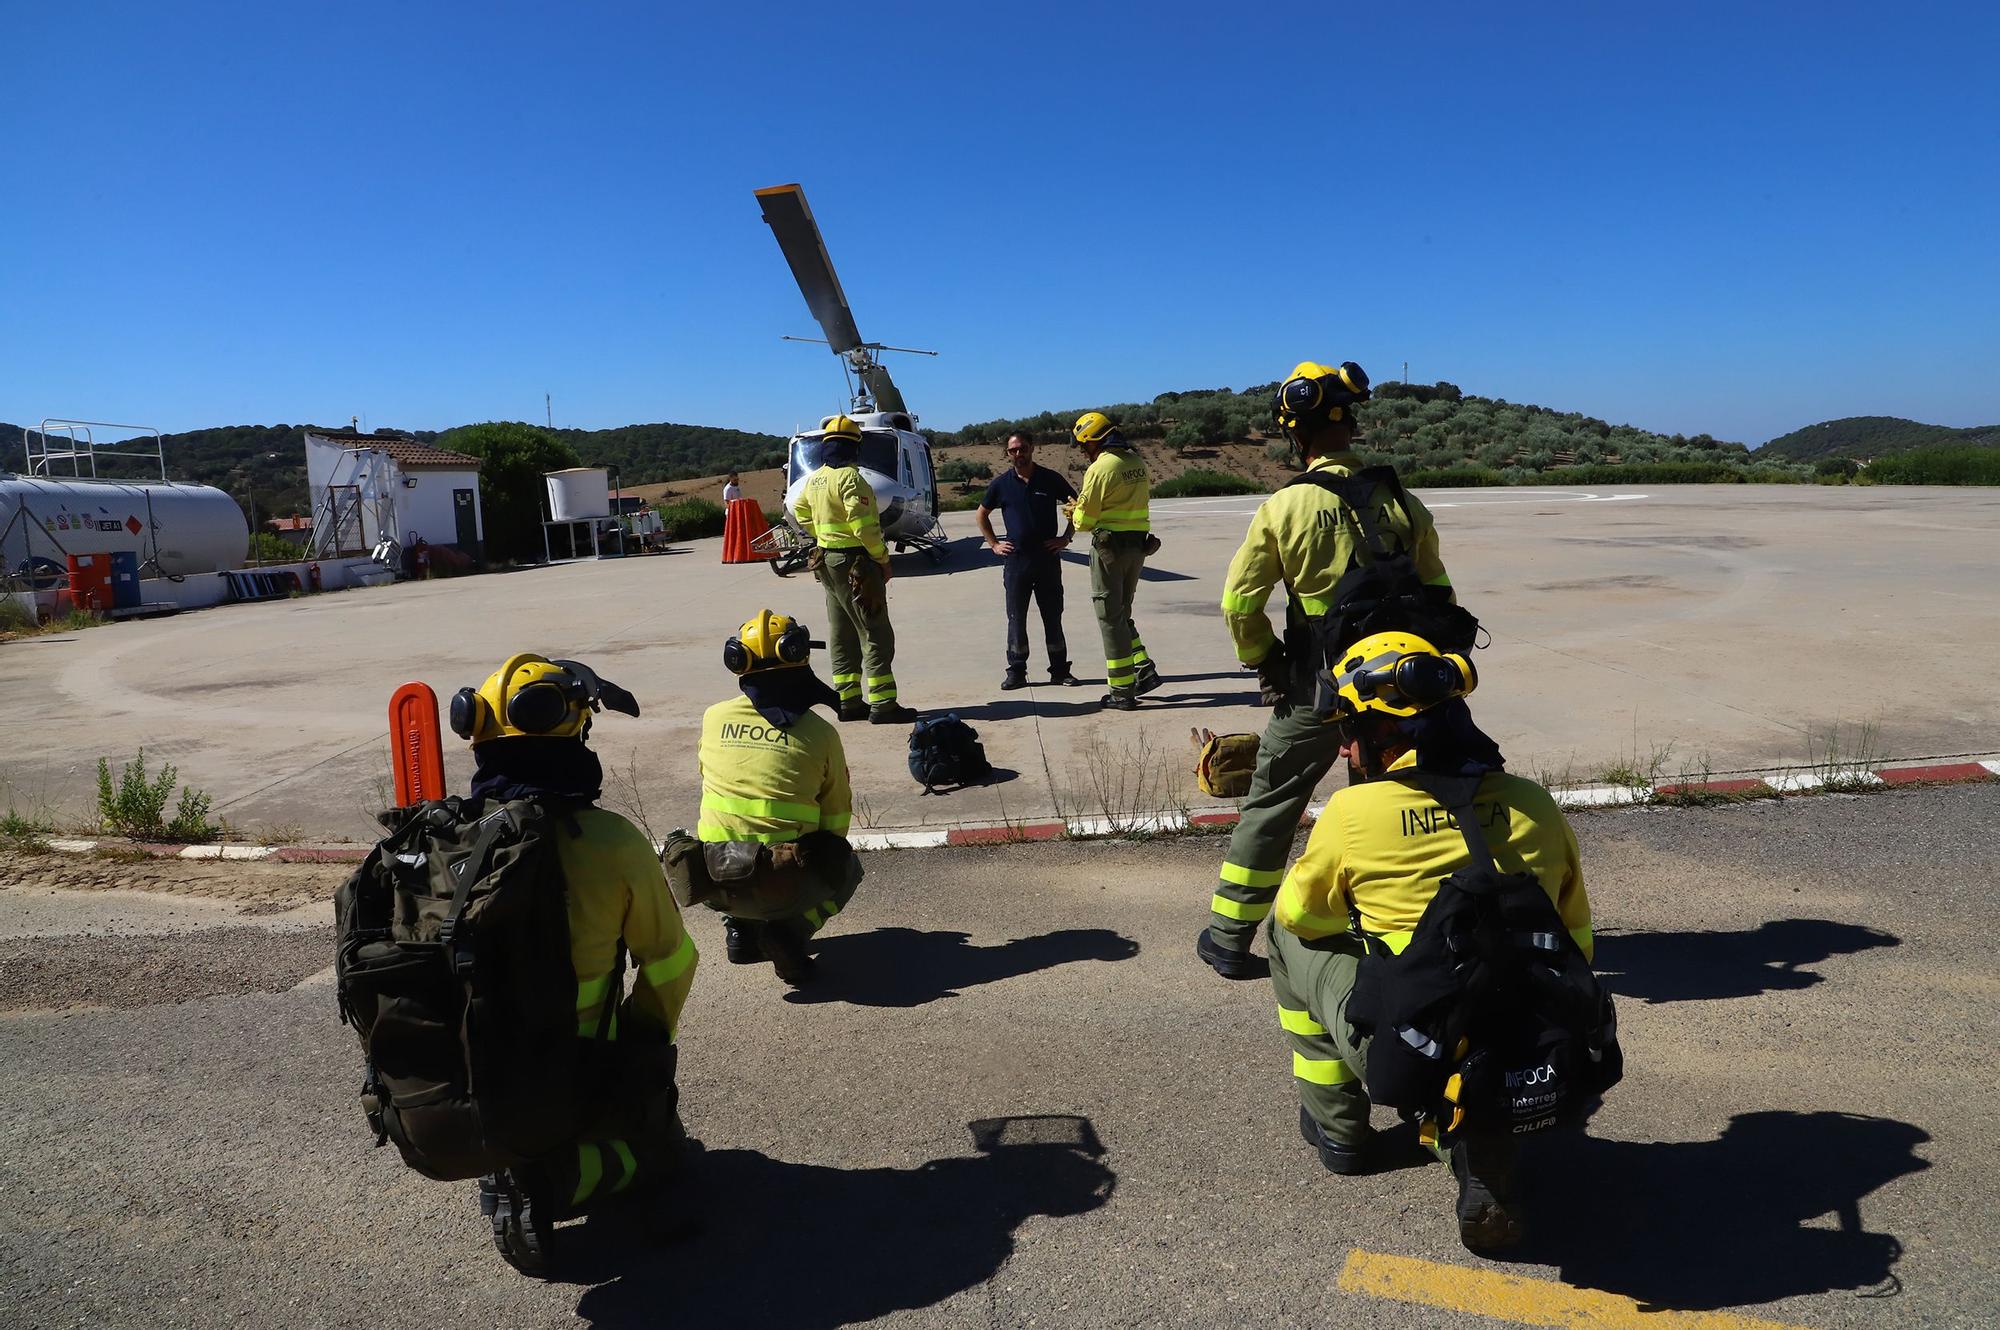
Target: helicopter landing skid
pixel 785 548
pixel 931 544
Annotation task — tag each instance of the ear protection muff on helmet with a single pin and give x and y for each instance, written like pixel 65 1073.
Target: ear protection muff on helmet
pixel 792 645
pixel 556 699
pixel 1419 682
pixel 541 706
pixel 1397 675
pixel 1316 392
pixel 468 712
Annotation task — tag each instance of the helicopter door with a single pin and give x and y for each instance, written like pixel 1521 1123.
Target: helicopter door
pixel 923 476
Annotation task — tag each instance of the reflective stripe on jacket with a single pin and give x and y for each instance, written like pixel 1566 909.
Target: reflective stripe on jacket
pixel 1385 845
pixel 761 783
pixel 838 508
pixel 1115 494
pixel 617 890
pixel 1307 538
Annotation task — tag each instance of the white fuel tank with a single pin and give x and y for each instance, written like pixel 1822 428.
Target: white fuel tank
pixel 188 528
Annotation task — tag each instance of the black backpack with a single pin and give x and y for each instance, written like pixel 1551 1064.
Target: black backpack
pixel 1379 594
pixel 1490 1016
pixel 453 965
pixel 946 751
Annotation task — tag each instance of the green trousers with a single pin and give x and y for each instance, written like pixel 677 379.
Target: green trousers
pixel 1115 560
pixel 839 888
pixel 635 1141
pixel 1293 756
pixel 1311 981
pixel 857 641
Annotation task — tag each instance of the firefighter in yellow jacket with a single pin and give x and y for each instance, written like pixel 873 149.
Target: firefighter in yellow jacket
pixel 1308 539
pixel 1113 509
pixel 1371 866
pixel 528 724
pixel 837 506
pixel 775 802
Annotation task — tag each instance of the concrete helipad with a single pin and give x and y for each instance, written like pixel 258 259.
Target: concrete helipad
pixel 1671 632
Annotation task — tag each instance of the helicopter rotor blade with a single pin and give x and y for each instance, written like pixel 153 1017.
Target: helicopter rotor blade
pixel 887 396
pixel 791 221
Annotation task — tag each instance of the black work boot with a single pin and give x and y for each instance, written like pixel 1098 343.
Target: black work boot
pixel 1229 963
pixel 1015 679
pixel 1149 678
pixel 891 713
pixel 739 941
pixel 1346 1160
pixel 1486 1222
pixel 1118 702
pixel 1060 675
pixel 854 710
pixel 786 951
pixel 521 1228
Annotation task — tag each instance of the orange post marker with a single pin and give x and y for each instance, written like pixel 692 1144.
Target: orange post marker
pixel 418 752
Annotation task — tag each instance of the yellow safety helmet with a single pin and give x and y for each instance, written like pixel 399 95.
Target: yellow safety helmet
pixel 767 641
pixel 840 427
pixel 532 695
pixel 1314 392
pixel 1092 427
pixel 1398 675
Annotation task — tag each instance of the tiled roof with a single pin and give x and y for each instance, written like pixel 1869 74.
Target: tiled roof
pixel 292 523
pixel 406 453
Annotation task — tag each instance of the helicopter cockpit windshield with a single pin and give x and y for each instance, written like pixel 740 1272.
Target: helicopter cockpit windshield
pixel 881 451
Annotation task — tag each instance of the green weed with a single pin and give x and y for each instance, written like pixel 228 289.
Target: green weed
pixel 135 805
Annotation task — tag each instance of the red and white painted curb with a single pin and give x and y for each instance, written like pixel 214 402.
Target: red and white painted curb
pixel 1770 785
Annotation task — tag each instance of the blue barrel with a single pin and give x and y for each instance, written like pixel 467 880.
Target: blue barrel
pixel 125 580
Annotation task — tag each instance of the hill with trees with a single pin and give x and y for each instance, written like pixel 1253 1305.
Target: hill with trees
pixel 1865 437
pixel 1434 433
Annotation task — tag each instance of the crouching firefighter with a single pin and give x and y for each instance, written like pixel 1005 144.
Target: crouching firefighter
pixel 1431 949
pixel 771 852
pixel 1357 554
pixel 482 958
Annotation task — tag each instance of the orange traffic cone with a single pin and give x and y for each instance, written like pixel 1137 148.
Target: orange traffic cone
pixel 743 524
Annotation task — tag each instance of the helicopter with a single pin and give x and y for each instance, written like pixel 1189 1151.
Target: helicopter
pixel 895 457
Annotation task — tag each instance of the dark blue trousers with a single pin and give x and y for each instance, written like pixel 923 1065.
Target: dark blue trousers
pixel 1038 576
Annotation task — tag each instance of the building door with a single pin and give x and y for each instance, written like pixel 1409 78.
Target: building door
pixel 467 517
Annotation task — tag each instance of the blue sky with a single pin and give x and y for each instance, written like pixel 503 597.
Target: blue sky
pixel 1723 218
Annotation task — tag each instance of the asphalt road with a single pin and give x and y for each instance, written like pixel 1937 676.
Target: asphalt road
pixel 1805 1134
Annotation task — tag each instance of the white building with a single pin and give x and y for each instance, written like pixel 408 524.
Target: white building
pixel 367 489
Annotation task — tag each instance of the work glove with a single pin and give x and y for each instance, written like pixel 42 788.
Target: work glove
pixel 1274 676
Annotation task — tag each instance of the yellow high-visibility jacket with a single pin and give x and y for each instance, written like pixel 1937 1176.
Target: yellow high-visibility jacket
pixel 838 507
pixel 1115 495
pixel 761 783
pixel 1307 538
pixel 617 890
pixel 1385 845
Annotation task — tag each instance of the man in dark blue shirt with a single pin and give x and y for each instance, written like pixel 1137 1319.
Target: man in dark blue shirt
pixel 1030 497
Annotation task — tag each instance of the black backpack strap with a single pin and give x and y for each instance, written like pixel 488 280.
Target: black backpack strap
pixel 1357 491
pixel 1456 794
pixel 466 872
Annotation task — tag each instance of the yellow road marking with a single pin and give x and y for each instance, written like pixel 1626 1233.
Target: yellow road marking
pixel 1461 1288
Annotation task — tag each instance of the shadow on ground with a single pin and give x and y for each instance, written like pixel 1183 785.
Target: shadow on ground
pixel 1697 966
pixel 962 555
pixel 811 1248
pixel 1769 1210
pixel 968 554
pixel 1052 701
pixel 907 967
